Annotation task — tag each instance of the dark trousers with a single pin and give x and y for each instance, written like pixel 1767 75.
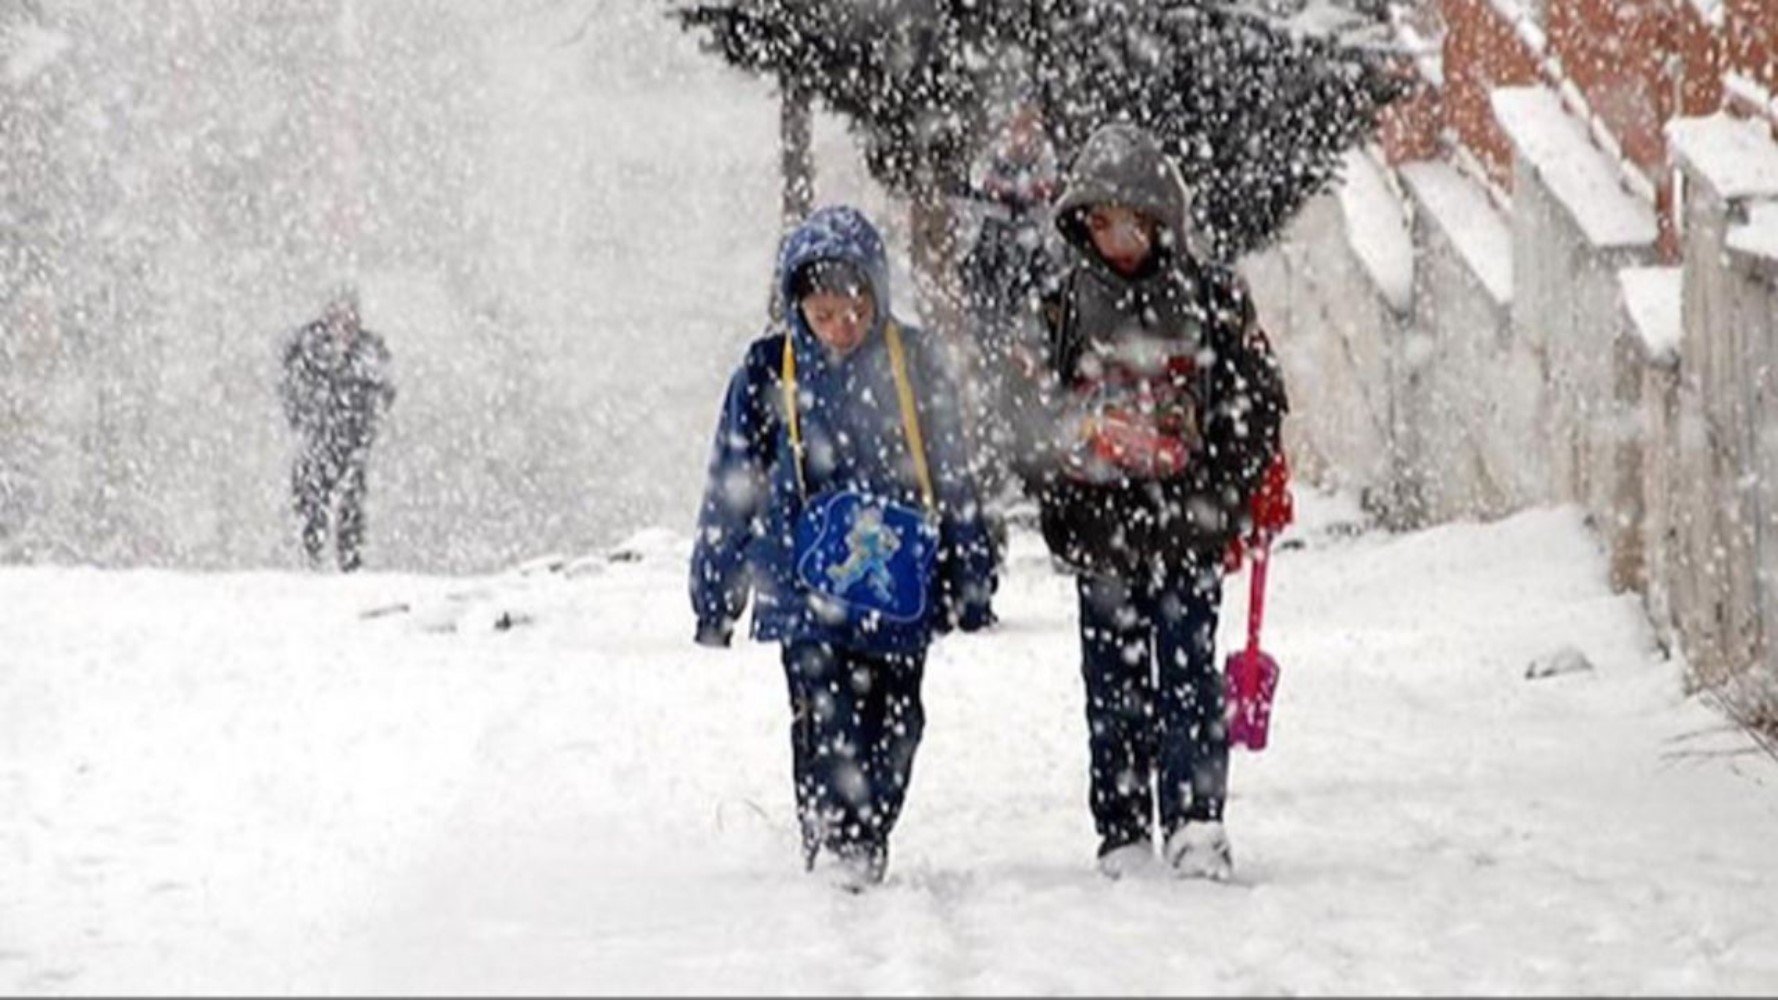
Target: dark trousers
pixel 856 722
pixel 1154 702
pixel 325 478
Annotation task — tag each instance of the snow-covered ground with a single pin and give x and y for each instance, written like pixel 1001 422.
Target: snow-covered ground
pixel 217 783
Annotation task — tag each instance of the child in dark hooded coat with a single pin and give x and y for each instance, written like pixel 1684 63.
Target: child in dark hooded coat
pixel 1164 408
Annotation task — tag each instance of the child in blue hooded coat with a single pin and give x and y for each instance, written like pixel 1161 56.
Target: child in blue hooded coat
pixel 839 497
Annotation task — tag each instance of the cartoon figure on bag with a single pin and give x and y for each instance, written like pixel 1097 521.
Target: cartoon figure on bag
pixel 869 547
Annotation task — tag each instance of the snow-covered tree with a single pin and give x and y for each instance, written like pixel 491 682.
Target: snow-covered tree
pixel 1258 102
pixel 1256 110
pixel 910 75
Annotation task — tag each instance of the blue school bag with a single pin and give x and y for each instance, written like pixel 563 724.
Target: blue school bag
pixel 866 561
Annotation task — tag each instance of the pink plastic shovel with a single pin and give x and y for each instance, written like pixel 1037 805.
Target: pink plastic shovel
pixel 1252 676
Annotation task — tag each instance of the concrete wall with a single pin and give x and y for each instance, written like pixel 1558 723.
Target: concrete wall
pixel 1479 400
pixel 1339 343
pixel 1476 385
pixel 1725 555
pixel 1424 411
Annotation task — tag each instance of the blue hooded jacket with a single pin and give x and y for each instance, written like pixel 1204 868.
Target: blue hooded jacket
pixel 853 438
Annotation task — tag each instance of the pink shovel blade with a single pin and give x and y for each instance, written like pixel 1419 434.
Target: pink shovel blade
pixel 1251 679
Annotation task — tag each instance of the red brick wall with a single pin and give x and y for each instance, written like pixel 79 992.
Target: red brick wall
pixel 1752 30
pixel 1409 129
pixel 1638 63
pixel 1750 43
pixel 1700 47
pixel 1617 52
pixel 1481 52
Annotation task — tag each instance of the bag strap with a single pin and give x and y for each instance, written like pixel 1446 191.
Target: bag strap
pixel 788 384
pixel 910 418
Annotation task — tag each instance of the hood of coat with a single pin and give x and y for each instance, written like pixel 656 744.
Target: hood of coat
pixel 842 233
pixel 1124 165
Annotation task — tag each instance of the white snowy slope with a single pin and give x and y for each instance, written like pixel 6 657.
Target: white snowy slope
pixel 216 783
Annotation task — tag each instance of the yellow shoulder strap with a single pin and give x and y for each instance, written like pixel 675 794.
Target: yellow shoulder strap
pixel 910 418
pixel 788 382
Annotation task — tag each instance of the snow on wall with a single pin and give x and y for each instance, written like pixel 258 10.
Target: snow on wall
pixel 1377 229
pixel 1736 156
pixel 1748 91
pixel 1556 146
pixel 1468 218
pixel 1427 53
pixel 1425 411
pixel 1652 301
pixel 1758 236
pixel 1724 491
pixel 1335 335
pixel 1577 395
pixel 1470 406
pixel 1524 22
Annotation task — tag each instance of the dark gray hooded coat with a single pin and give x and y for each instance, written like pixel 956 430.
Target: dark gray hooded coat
pixel 1117 523
pixel 335 389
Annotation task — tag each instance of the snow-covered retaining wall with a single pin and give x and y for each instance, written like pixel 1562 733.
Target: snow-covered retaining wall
pixel 1546 354
pixel 1724 493
pixel 1470 428
pixel 1575 229
pixel 1386 301
pixel 1326 297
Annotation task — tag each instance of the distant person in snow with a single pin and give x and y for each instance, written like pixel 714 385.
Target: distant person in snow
pixel 1163 404
pixel 1020 169
pixel 839 497
pixel 335 388
pixel 1004 276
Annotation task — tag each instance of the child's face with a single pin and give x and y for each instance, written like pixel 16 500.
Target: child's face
pixel 1122 235
pixel 839 321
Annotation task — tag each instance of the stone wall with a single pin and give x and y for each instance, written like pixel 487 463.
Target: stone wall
pixel 1546 355
pixel 1342 377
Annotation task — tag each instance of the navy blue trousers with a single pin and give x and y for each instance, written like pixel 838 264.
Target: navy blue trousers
pixel 1154 702
pixel 856 721
pixel 327 472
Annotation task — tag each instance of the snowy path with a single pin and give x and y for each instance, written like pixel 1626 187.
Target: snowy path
pixel 219 783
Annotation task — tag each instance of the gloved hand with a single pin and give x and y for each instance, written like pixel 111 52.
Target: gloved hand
pixel 1272 506
pixel 715 634
pixel 1271 509
pixel 1234 556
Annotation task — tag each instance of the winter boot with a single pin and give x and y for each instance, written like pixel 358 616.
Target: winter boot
pixel 1200 849
pixel 1130 859
pixel 854 869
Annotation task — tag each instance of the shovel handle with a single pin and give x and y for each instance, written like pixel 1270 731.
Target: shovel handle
pixel 1256 594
